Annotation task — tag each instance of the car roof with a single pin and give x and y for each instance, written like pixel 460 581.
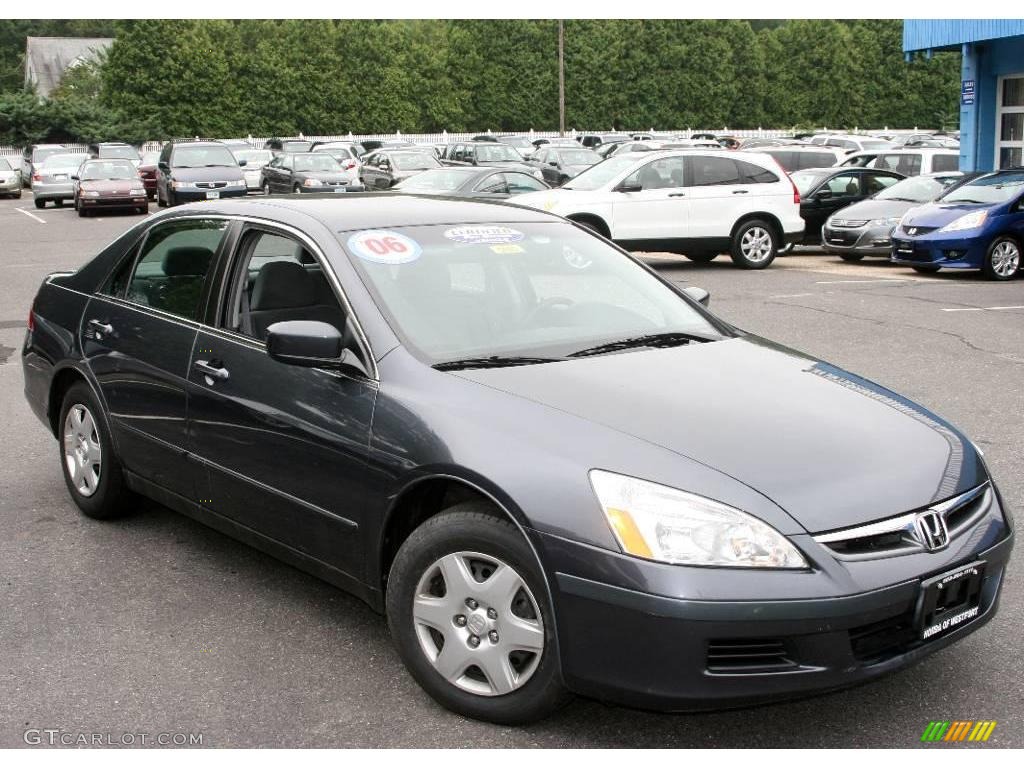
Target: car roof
pixel 371 210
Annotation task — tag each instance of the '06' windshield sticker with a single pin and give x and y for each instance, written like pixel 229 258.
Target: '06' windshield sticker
pixel 484 235
pixel 384 246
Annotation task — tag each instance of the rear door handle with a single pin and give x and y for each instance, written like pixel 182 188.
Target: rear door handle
pixel 211 370
pixel 101 329
pixel 740 191
pixel 677 194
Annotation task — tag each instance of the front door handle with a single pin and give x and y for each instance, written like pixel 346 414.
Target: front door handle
pixel 740 191
pixel 677 194
pixel 211 370
pixel 101 329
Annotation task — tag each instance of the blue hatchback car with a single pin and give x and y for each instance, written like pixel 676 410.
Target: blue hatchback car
pixel 978 225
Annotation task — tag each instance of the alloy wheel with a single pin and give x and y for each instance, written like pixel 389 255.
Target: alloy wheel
pixel 1005 259
pixel 478 623
pixel 83 454
pixel 756 244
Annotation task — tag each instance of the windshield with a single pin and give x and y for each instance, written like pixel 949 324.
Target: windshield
pixel 296 146
pixel 338 153
pixel 4 165
pixel 805 182
pixel 917 189
pixel 127 153
pixel 202 157
pixel 151 158
pixel 993 189
pixel 414 161
pixel 254 157
pixel 318 163
pixel 577 157
pixel 436 180
pixel 65 160
pixel 517 141
pixel 496 153
pixel 602 173
pixel 538 290
pixel 108 169
pixel 41 154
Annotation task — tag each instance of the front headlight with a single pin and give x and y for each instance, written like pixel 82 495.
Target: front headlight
pixel 312 183
pixel 671 526
pixel 967 221
pixel 183 184
pixel 91 193
pixel 892 221
pixel 136 192
pixel 538 175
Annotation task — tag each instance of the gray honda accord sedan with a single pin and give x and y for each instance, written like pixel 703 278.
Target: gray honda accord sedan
pixel 553 470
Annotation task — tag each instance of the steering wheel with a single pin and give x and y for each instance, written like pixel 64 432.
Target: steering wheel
pixel 551 301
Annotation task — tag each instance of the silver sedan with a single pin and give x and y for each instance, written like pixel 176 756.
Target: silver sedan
pixel 52 181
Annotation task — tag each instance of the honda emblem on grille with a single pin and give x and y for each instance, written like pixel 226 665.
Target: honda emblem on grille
pixel 912 231
pixel 932 530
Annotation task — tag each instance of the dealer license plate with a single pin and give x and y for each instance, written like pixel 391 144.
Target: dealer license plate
pixel 950 600
pixel 213 195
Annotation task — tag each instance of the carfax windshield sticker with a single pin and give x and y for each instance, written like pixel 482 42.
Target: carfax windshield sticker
pixel 483 235
pixel 384 246
pixel 507 248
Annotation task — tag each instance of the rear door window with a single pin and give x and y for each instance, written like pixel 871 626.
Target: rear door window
pixel 173 265
pixel 945 163
pixel 713 171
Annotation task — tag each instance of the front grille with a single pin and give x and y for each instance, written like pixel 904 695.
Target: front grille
pixel 210 184
pixel 881 640
pixel 849 223
pixel 749 655
pixel 841 238
pixel 914 229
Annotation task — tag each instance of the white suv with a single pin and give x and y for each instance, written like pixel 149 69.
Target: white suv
pixel 698 203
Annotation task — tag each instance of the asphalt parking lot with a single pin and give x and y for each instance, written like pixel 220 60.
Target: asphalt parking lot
pixel 156 624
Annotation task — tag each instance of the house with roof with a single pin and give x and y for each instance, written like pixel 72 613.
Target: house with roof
pixel 48 58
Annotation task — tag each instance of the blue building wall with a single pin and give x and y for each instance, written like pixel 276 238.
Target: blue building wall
pixel 990 48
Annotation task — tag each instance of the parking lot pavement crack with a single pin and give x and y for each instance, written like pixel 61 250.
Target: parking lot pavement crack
pixel 1000 356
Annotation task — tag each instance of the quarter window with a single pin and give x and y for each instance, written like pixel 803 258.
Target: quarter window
pixel 710 171
pixel 171 270
pixel 945 163
pixel 755 174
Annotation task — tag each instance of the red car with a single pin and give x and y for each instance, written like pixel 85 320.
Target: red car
pixel 109 184
pixel 147 172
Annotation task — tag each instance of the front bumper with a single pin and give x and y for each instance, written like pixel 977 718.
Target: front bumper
pixel 678 653
pixel 937 251
pixel 114 201
pixel 869 241
pixel 195 195
pixel 54 190
pixel 331 190
pixel 11 186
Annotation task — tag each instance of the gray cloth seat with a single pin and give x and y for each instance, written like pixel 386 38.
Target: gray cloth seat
pixel 284 290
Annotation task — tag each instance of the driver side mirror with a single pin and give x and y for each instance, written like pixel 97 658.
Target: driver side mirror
pixel 553 163
pixel 74 178
pixel 312 344
pixel 629 186
pixel 698 294
pixel 823 194
pixel 242 163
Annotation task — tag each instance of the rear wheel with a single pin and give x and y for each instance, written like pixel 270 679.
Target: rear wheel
pixel 91 469
pixel 753 245
pixel 265 187
pixel 851 256
pixel 59 203
pixel 40 203
pixel 469 613
pixel 1002 261
pixel 924 269
pixel 297 189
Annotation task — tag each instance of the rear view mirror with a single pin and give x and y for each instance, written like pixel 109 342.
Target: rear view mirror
pixel 307 343
pixel 698 294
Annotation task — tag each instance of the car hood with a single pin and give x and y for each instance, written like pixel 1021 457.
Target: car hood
pixel 832 449
pixel 874 209
pixel 941 214
pixel 216 173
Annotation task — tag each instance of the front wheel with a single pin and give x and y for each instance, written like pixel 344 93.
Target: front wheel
pixel 91 469
pixel 701 257
pixel 40 203
pixel 924 269
pixel 1002 260
pixel 851 256
pixel 297 190
pixel 469 612
pixel 753 245
pixel 265 187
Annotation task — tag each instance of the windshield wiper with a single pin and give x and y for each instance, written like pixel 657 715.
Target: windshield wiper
pixel 494 361
pixel 662 340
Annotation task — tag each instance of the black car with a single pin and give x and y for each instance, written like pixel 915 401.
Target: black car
pixel 386 167
pixel 799 157
pixel 489 183
pixel 559 164
pixel 823 191
pixel 197 170
pixel 595 140
pixel 285 146
pixel 303 172
pixel 543 461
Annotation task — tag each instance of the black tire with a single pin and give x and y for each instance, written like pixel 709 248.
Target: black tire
pixel 701 257
pixel 82 213
pixel 473 527
pixel 851 256
pixel 17 195
pixel 924 269
pixel 111 497
pixel 265 187
pixel 755 228
pixel 59 203
pixel 40 203
pixel 160 202
pixel 143 209
pixel 990 266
